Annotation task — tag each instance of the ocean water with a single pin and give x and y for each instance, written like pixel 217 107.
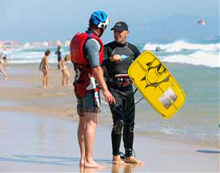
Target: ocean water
pixel 196 66
pixel 204 53
pixel 198 120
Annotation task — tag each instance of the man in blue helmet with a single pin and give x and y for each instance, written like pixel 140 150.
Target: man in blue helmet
pixel 86 51
pixel 118 56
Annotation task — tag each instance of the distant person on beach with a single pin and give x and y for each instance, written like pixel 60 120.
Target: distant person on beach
pixel 65 72
pixel 59 56
pixel 4 55
pixel 1 69
pixel 118 56
pixel 86 51
pixel 44 67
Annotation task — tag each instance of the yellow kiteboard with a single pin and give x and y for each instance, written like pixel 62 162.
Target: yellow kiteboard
pixel 156 84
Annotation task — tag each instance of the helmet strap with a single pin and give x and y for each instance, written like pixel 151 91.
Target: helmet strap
pixel 102 31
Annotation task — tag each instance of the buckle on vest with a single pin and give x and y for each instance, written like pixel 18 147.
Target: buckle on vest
pixel 121 80
pixel 122 76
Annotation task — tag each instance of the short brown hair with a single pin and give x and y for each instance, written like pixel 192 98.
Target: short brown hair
pixel 47 52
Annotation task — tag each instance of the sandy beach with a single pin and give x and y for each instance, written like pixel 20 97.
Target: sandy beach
pixel 38 132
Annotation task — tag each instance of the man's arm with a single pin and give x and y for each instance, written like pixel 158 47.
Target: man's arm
pixel 98 75
pixel 92 48
pixel 47 63
pixel 40 66
pixel 107 53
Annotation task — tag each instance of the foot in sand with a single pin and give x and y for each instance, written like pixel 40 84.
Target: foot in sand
pixel 117 160
pixel 92 164
pixel 81 162
pixel 90 170
pixel 133 160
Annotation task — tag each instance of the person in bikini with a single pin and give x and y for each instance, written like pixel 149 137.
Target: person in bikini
pixel 5 57
pixel 44 67
pixel 1 69
pixel 65 72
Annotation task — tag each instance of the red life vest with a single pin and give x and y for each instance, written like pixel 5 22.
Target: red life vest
pixel 84 81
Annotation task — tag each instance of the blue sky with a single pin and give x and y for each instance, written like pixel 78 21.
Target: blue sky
pixel 148 20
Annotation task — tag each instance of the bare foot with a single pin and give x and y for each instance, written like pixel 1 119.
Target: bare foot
pixel 117 160
pixel 92 164
pixel 92 170
pixel 133 160
pixel 81 162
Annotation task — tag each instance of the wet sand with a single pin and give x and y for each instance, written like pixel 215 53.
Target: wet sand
pixel 38 132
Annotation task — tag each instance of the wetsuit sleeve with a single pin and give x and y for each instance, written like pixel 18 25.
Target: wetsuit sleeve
pixel 105 62
pixel 92 48
pixel 106 55
pixel 135 50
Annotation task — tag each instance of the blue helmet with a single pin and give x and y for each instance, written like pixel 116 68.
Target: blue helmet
pixel 99 19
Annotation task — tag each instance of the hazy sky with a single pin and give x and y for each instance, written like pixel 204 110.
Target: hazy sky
pixel 38 20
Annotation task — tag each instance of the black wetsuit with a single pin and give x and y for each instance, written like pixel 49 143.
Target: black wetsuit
pixel 123 112
pixel 59 57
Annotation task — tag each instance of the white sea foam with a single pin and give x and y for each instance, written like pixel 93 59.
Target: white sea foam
pixel 198 58
pixel 33 55
pixel 177 52
pixel 181 45
pixel 189 53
